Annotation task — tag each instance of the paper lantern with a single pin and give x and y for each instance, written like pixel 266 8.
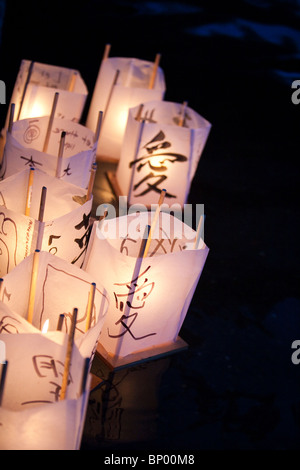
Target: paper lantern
pixel 63 229
pixel 121 84
pixel 25 146
pixel 36 85
pixel 161 150
pixel 150 295
pixel 42 288
pixel 33 414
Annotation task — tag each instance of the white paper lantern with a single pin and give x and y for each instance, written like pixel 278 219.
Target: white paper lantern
pixel 148 305
pixel 36 85
pixel 58 288
pixel 121 84
pixel 32 414
pixel 25 147
pixel 159 153
pixel 65 225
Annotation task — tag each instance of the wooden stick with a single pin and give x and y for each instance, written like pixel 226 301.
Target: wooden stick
pixel 106 52
pixel 72 81
pixel 139 113
pixel 154 71
pixel 60 153
pixel 67 364
pixel 183 110
pixel 155 218
pixel 41 218
pixel 60 322
pixel 34 274
pixel 2 380
pixel 111 91
pixel 199 232
pixel 50 123
pixel 11 117
pixel 91 181
pixel 98 127
pixel 90 306
pixel 30 69
pixel 85 374
pixel 29 192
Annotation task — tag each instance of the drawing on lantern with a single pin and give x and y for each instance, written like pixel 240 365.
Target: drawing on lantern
pixel 8 243
pixel 32 132
pixel 47 367
pixel 157 161
pixel 129 297
pixel 164 243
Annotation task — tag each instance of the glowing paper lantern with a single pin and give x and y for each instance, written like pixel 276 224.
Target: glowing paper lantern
pixel 41 289
pixel 121 84
pixel 25 147
pixel 32 414
pixel 36 85
pixel 151 294
pixel 161 150
pixel 64 227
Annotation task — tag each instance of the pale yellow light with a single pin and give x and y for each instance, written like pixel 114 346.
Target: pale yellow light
pixel 45 326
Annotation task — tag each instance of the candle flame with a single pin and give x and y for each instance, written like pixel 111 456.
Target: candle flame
pixel 46 326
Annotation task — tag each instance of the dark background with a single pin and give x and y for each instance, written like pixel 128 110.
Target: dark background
pixel 234 62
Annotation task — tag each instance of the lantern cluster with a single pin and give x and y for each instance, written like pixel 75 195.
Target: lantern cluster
pixel 72 286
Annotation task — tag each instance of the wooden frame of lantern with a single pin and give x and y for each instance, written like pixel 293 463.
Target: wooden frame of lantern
pixel 162 146
pixel 121 84
pixel 131 279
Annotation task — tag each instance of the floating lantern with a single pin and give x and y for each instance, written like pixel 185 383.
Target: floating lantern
pixel 36 85
pixel 33 413
pixel 151 293
pixel 121 84
pixel 44 288
pixel 69 154
pixel 160 150
pixel 39 211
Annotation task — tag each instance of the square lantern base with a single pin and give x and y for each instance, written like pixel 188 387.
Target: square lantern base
pixel 143 355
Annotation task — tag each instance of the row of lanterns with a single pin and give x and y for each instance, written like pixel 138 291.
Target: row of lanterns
pixel 72 287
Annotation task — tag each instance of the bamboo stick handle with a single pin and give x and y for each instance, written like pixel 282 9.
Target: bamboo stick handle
pixel 67 364
pixel 154 71
pixel 50 122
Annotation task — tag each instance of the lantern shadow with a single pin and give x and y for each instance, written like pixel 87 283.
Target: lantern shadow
pixel 123 404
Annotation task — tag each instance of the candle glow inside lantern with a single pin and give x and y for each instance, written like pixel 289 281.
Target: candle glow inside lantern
pixel 160 150
pixel 25 146
pixel 32 414
pixel 121 84
pixel 64 227
pixel 148 305
pixel 34 90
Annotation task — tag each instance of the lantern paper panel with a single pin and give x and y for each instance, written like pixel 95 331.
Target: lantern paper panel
pixel 59 288
pixel 36 85
pixel 65 225
pixel 158 153
pixel 147 311
pixel 24 148
pixel 55 426
pixel 32 415
pixel 115 99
